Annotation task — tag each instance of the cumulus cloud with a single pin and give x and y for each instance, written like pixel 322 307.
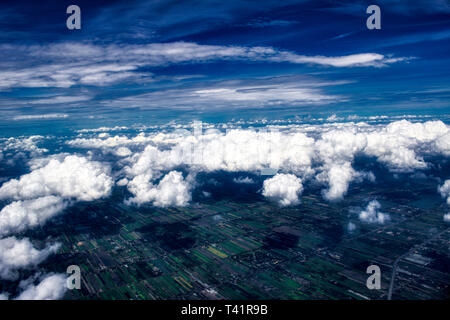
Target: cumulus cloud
pixel 172 190
pixel 444 190
pixel 73 177
pixel 26 144
pixel 400 145
pixel 243 180
pixel 372 215
pixel 235 150
pixel 51 287
pixel 338 178
pixel 325 151
pixel 447 217
pixel 17 254
pixel 39 195
pixel 25 214
pixel 283 188
pixel 337 149
pixel 397 143
pixel 122 152
pixel 47 190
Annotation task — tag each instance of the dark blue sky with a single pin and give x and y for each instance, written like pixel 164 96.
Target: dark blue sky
pixel 301 56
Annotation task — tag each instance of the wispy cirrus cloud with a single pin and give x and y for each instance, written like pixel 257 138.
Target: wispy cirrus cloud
pixel 61 99
pixel 257 93
pixel 41 116
pixel 67 64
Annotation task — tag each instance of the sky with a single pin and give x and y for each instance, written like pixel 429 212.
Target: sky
pixel 85 111
pixel 175 59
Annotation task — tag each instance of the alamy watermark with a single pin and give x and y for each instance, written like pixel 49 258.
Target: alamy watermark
pixel 374 20
pixel 74 20
pixel 74 279
pixel 374 280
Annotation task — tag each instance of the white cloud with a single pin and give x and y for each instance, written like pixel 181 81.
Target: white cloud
pixel 104 64
pixel 338 178
pixel 283 188
pixel 17 254
pixel 236 150
pixel 40 195
pixel 444 190
pixel 103 129
pixel 397 143
pixel 122 152
pixel 372 215
pixel 72 177
pixel 105 141
pixel 258 93
pixel 25 214
pixel 206 194
pixel 172 190
pixel 337 149
pixel 244 180
pixel 52 287
pixel 351 227
pixel 27 144
pixel 41 116
pixel 353 60
pixel 57 100
pixel 447 217
pixel 341 145
pixel 325 151
pixel 274 93
pixel 46 191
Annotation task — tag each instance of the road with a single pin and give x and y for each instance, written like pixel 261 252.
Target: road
pixel 394 267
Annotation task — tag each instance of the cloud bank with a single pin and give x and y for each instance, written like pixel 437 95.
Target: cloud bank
pixel 323 152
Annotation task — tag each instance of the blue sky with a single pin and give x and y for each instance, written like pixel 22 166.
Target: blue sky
pixel 210 57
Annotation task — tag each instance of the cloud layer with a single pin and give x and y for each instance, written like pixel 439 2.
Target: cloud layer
pixel 95 64
pixel 323 152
